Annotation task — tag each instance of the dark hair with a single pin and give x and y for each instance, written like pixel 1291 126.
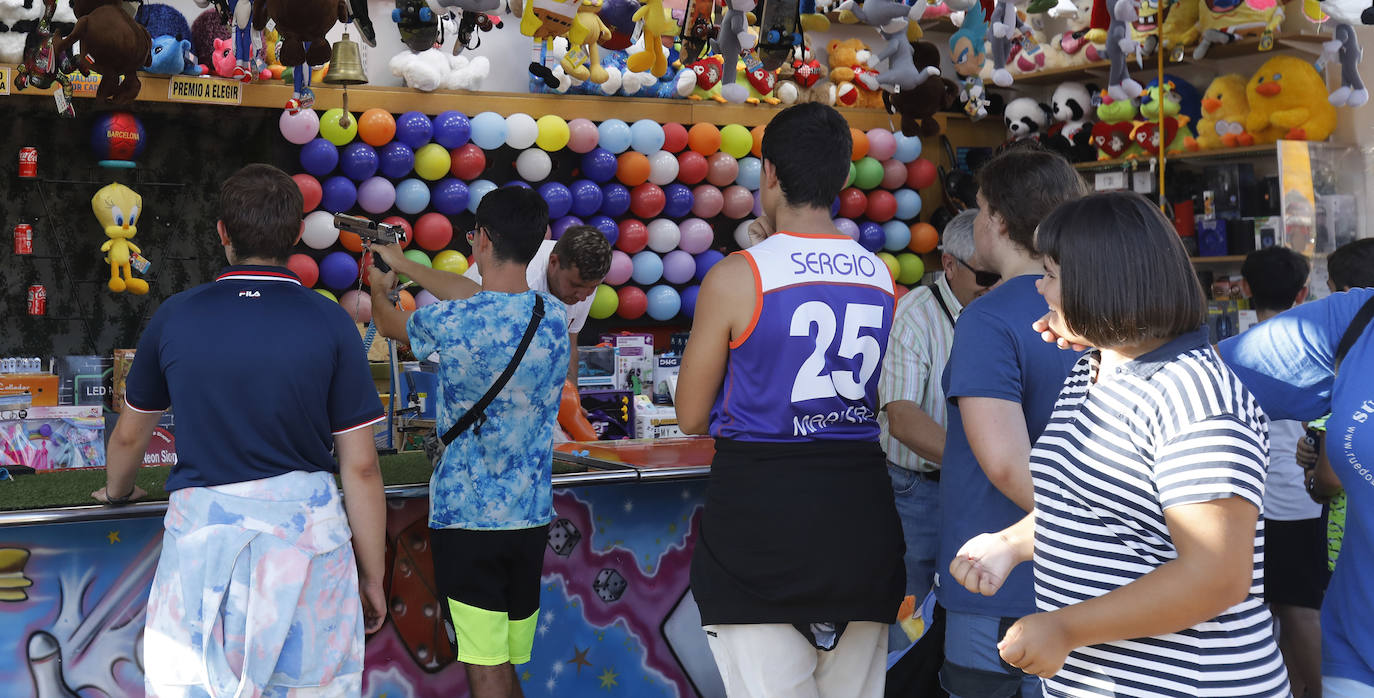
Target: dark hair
pixel 1352 265
pixel 809 145
pixel 584 247
pixel 1124 275
pixel 1023 185
pixel 261 208
pixel 516 219
pixel 1276 275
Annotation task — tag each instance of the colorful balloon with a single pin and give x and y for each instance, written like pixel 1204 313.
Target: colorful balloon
pixel 358 161
pixel 615 199
pixel 319 157
pixel 613 135
pixel 489 130
pixel 376 127
pixel 678 267
pixel 648 268
pixel 476 190
pixel 646 136
pixel 848 227
pixel 358 305
pixel 704 139
pixel 599 165
pixel 414 129
pixel 910 268
pixel 534 165
pixel 882 206
pixel 338 271
pixel 663 303
pixel 604 302
pixel 521 131
pixel 557 196
pixel 340 193
pixel 736 141
pixel 859 146
pixel 881 144
pixel 561 225
pixel 674 137
pixel 722 169
pixel 896 236
pixel 449 196
pixel 451 261
pixel 894 174
pixel 924 238
pixel 707 201
pixel 586 197
pixel 452 129
pixel 633 302
pixel 695 235
pixel 908 205
pixel 853 202
pixel 467 161
pixel 310 190
pixel 663 168
pixel 412 196
pixel 647 200
pixel 750 173
pixel 621 268
pixel 677 200
pixel 552 133
pixel 871 236
pixel 582 136
pixel 299 128
pixel 663 235
pixel 305 268
pixel 607 226
pixel 921 173
pixel 705 261
pixel 376 195
pixel 634 235
pixel 908 148
pixel 432 162
pixel 632 168
pixel 738 202
pixel 337 129
pixel 433 231
pixel 395 160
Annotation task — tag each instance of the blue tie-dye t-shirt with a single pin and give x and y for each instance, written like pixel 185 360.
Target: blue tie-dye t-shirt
pixel 498 477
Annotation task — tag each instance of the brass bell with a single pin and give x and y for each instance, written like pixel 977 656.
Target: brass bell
pixel 346 64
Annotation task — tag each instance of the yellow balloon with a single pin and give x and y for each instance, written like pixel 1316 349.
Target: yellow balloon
pixel 327 294
pixel 333 131
pixel 451 261
pixel 604 303
pixel 891 261
pixel 432 162
pixel 553 133
pixel 736 141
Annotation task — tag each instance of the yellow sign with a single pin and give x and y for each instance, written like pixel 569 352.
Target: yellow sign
pixel 4 80
pixel 84 86
pixel 184 88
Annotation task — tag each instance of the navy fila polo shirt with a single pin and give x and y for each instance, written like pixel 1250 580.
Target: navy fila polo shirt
pixel 262 372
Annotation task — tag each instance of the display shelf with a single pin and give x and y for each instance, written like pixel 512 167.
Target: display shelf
pixel 1132 163
pixel 1227 259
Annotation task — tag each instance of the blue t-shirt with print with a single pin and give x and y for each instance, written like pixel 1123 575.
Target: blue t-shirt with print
pixel 498 476
pixel 1288 364
pixel 995 354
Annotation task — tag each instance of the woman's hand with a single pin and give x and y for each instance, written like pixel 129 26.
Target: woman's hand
pixel 1036 644
pixel 374 604
pixel 983 563
pixel 1043 327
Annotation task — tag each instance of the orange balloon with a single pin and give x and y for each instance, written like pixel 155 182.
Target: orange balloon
pixel 860 144
pixel 405 301
pixel 924 238
pixel 757 133
pixel 376 127
pixel 350 241
pixel 632 168
pixel 704 139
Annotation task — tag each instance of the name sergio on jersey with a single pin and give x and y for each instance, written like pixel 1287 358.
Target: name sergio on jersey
pixel 840 263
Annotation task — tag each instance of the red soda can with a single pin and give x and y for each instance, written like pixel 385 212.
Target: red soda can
pixel 23 239
pixel 38 300
pixel 28 162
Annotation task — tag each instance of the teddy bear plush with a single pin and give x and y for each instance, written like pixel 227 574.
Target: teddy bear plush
pixel 848 61
pixel 432 69
pixel 301 22
pixel 918 106
pixel 112 40
pixel 804 81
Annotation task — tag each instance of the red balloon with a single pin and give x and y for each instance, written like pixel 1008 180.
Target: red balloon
pixel 882 206
pixel 405 225
pixel 901 291
pixel 722 169
pixel 852 203
pixel 646 200
pixel 674 137
pixel 920 173
pixel 633 302
pixel 634 235
pixel 310 190
pixel 894 174
pixel 434 231
pixel 467 161
pixel 691 167
pixel 304 267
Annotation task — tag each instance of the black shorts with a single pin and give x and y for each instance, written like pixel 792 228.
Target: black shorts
pixel 1295 570
pixel 491 582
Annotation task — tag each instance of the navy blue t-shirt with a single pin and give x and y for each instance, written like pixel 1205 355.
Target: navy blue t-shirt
pixel 263 373
pixel 995 354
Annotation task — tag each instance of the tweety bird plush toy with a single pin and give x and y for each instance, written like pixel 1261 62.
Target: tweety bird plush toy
pixel 117 208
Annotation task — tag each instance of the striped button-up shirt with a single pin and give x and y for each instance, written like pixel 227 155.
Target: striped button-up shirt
pixel 917 350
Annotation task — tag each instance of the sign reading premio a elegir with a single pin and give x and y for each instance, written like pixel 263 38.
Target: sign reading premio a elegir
pixel 184 88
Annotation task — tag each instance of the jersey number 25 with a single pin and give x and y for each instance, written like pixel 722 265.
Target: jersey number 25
pixel 812 381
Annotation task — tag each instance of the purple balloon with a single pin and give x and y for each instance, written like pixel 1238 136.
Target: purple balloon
pixel 848 227
pixel 449 196
pixel 705 261
pixel 586 197
pixel 679 267
pixel 615 199
pixel 376 195
pixel 871 236
pixel 561 225
pixel 452 129
pixel 689 300
pixel 677 200
pixel 396 160
pixel 319 157
pixel 338 271
pixel 358 161
pixel 696 235
pixel 607 226
pixel 621 268
pixel 339 194
pixel 598 165
pixel 558 198
pixel 414 129
pixel 758 205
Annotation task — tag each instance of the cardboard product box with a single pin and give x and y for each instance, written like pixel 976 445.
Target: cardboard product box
pixel 596 367
pixel 666 367
pixel 611 412
pixel 655 421
pixel 53 438
pixel 84 380
pixel 123 361
pixel 41 387
pixel 634 361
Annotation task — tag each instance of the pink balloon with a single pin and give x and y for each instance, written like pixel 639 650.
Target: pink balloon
pixel 358 305
pixel 707 201
pixel 894 174
pixel 621 268
pixel 722 169
pixel 882 145
pixel 740 201
pixel 424 298
pixel 758 204
pixel 299 128
pixel 848 227
pixel 582 136
pixel 696 234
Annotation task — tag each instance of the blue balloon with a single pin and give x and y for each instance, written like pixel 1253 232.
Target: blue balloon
pixel 664 302
pixel 607 226
pixel 598 165
pixel 834 207
pixel 319 157
pixel 412 196
pixel 871 236
pixel 339 194
pixel 358 161
pixel 396 160
pixel 518 183
pixel 689 300
pixel 648 268
pixel 561 225
pixel 614 135
pixel 477 189
pixel 677 200
pixel 896 236
pixel 750 171
pixel 558 198
pixel 705 261
pixel 908 147
pixel 615 199
pixel 646 136
pixel 908 204
pixel 586 197
pixel 338 271
pixel 489 130
pixel 414 129
pixel 452 129
pixel 449 196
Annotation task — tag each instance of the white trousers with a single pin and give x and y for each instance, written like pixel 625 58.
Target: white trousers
pixel 776 661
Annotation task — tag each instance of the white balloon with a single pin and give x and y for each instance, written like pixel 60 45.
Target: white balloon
pixel 742 234
pixel 533 165
pixel 521 131
pixel 319 232
pixel 662 168
pixel 663 235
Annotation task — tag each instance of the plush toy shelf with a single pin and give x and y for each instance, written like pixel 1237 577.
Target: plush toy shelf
pixel 1139 162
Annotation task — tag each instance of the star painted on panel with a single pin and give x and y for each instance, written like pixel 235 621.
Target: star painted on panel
pixel 608 678
pixel 629 506
pixel 525 676
pixel 550 684
pixel 580 659
pixel 113 537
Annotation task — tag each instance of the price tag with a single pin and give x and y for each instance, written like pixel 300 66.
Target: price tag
pixel 61 98
pixel 1266 42
pixel 1177 55
pixel 139 263
pixel 1109 181
pixel 1142 182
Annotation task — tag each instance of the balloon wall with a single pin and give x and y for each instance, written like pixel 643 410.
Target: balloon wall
pixel 672 199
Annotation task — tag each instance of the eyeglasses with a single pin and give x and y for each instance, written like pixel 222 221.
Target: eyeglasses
pixel 472 234
pixel 986 279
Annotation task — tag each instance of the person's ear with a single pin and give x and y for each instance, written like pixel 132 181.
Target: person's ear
pixel 770 174
pixel 224 235
pixel 948 263
pixel 554 261
pixel 1245 289
pixel 1302 296
pixel 299 232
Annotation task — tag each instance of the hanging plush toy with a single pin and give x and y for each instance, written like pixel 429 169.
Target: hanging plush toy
pixel 1224 111
pixel 302 25
pixel 1072 133
pixel 891 19
pixel 804 81
pixel 1285 100
pixel 545 21
pixel 1120 46
pixel 1005 26
pixel 919 106
pixel 657 23
pixel 699 29
pixel 117 207
pixel 43 64
pixel 583 59
pixel 113 44
pixel 704 80
pixel 734 38
pixel 966 51
pixel 1345 47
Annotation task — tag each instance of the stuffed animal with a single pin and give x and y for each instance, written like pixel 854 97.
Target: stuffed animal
pixel 1005 26
pixel 1120 46
pixel 1224 110
pixel 1145 28
pixel 657 23
pixel 891 19
pixel 583 59
pixel 918 107
pixel 1071 135
pixel 1225 21
pixel 1285 100
pixel 1345 48
pixel 1026 119
pixel 706 82
pixel 1114 128
pixel 1073 43
pixel 173 57
pixel 117 207
pixel 433 69
pixel 848 60
pixel 1180 27
pixel 163 20
pixel 734 38
pixel 302 24
pixel 113 41
pixel 208 26
pixel 966 50
pixel 1033 51
pixel 804 81
pixel 42 64
pixel 1189 101
pixel 1176 137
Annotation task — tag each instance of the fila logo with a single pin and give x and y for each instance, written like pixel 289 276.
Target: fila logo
pixel 250 294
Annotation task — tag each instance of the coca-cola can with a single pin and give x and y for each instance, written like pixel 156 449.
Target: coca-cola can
pixel 28 162
pixel 23 239
pixel 38 300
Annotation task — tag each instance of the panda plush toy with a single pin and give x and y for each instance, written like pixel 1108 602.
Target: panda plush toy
pixel 1026 120
pixel 1071 134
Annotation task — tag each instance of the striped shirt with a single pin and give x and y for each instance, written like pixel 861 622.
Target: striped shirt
pixel 1172 427
pixel 917 351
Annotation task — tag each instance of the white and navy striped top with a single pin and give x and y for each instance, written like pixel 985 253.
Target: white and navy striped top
pixel 1172 427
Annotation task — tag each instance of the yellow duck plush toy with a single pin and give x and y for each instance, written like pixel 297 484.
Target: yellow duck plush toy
pixel 1224 110
pixel 117 207
pixel 1287 100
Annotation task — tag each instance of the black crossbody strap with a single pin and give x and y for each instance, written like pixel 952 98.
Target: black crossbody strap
pixel 477 413
pixel 1352 333
pixel 935 291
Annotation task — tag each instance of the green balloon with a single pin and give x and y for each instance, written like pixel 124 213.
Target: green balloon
pixel 868 173
pixel 850 179
pixel 604 303
pixel 419 258
pixel 910 269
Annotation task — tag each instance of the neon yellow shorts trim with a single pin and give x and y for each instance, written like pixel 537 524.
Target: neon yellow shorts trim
pixel 489 638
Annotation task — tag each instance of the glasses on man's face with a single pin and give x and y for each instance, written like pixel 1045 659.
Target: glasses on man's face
pixel 986 279
pixel 472 234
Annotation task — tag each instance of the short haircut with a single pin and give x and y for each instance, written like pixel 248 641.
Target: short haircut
pixel 1023 185
pixel 810 147
pixel 261 208
pixel 957 240
pixel 1124 274
pixel 1352 265
pixel 584 247
pixel 1275 275
pixel 516 219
